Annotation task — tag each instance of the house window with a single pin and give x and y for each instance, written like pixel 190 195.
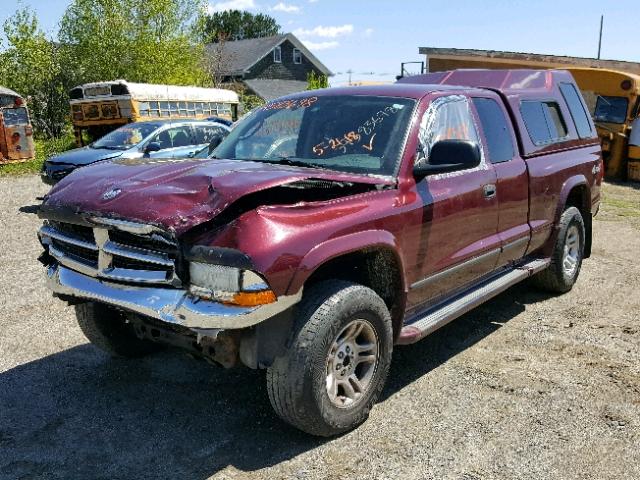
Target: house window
pixel 277 55
pixel 297 56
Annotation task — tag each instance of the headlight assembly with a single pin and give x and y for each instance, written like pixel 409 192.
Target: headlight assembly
pixel 229 285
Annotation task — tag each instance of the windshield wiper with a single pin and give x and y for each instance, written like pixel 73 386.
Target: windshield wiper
pixel 292 162
pixel 105 147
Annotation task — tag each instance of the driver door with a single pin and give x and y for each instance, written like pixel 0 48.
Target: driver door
pixel 458 237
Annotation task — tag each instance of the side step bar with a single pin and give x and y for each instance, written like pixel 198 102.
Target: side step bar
pixel 426 323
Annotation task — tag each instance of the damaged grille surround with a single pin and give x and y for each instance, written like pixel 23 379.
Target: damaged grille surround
pixel 112 251
pixel 86 262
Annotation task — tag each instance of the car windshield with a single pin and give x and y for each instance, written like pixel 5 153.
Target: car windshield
pixel 125 137
pixel 349 133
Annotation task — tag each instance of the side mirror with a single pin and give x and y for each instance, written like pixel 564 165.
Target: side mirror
pixel 152 147
pixel 449 156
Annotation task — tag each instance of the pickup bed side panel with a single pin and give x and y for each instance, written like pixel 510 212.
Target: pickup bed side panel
pixel 552 177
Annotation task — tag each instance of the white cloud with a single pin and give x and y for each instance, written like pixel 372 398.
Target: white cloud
pixel 321 45
pixel 232 5
pixel 286 8
pixel 368 32
pixel 313 1
pixel 325 32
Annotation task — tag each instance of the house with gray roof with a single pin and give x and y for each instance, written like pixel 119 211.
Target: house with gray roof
pixel 270 67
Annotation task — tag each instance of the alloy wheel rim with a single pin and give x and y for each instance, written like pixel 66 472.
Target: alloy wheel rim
pixel 351 363
pixel 571 255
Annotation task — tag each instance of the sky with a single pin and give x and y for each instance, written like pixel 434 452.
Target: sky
pixel 371 38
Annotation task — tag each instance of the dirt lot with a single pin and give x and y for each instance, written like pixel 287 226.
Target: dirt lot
pixel 527 386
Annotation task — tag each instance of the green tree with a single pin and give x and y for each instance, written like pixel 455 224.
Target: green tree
pixel 31 65
pixel 315 81
pixel 154 41
pixel 237 25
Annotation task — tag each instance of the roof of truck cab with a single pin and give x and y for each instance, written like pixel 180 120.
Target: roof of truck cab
pixel 521 81
pixel 413 91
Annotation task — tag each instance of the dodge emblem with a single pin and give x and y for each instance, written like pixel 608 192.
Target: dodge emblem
pixel 111 194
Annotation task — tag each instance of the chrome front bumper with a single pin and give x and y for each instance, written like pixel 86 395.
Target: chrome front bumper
pixel 170 305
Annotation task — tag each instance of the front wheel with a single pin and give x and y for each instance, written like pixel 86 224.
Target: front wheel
pixel 337 361
pixel 566 258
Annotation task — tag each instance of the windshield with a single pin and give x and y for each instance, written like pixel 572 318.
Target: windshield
pixel 125 137
pixel 15 116
pixel 611 109
pixel 350 133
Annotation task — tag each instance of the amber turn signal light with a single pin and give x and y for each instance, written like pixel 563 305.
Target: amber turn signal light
pixel 252 299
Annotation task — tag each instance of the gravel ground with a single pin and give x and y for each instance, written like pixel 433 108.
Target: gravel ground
pixel 527 386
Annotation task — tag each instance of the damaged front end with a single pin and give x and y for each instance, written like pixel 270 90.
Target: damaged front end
pixel 168 250
pixel 171 294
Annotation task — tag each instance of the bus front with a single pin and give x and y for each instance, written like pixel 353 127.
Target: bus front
pixel 16 133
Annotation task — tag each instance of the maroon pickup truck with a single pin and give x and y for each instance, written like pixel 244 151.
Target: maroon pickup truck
pixel 330 226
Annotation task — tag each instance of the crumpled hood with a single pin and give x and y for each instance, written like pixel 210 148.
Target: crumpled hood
pixel 84 156
pixel 176 195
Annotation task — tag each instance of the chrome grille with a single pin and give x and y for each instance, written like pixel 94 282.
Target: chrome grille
pixel 111 253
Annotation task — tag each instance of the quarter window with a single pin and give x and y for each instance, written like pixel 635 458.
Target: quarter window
pixel 544 121
pixel 496 130
pixel 277 55
pixel 577 110
pixel 297 56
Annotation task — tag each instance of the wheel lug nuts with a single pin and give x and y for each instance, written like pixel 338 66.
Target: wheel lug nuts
pixel 338 366
pixel 347 349
pixel 340 355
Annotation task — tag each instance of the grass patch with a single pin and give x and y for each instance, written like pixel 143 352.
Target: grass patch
pixel 621 201
pixel 45 148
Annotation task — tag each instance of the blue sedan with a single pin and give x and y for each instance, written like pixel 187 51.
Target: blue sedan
pixel 166 138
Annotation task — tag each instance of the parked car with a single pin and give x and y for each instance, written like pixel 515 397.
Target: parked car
pixel 333 225
pixel 155 139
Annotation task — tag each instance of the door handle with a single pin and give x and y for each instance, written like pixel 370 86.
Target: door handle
pixel 489 190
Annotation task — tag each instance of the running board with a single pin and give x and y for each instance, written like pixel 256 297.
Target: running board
pixel 432 319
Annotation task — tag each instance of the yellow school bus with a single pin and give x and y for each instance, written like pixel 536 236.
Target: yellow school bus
pixel 98 108
pixel 16 134
pixel 613 98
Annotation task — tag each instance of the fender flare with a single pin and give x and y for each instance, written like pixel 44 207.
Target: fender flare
pixel 343 245
pixel 570 184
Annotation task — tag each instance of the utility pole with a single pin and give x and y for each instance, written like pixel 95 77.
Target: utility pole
pixel 600 37
pixel 349 72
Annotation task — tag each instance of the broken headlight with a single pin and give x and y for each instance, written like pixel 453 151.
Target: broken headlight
pixel 229 285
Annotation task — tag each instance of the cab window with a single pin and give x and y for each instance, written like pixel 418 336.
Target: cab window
pixel 496 130
pixel 447 118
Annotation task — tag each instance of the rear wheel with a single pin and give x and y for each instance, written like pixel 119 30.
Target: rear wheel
pixel 107 328
pixel 337 362
pixel 567 255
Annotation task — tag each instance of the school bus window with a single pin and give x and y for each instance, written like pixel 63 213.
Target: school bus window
pixel 199 108
pixel 192 107
pixel 611 109
pixel 16 116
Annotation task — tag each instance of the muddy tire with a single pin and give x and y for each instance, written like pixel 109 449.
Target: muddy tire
pixel 337 361
pixel 105 327
pixel 567 255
